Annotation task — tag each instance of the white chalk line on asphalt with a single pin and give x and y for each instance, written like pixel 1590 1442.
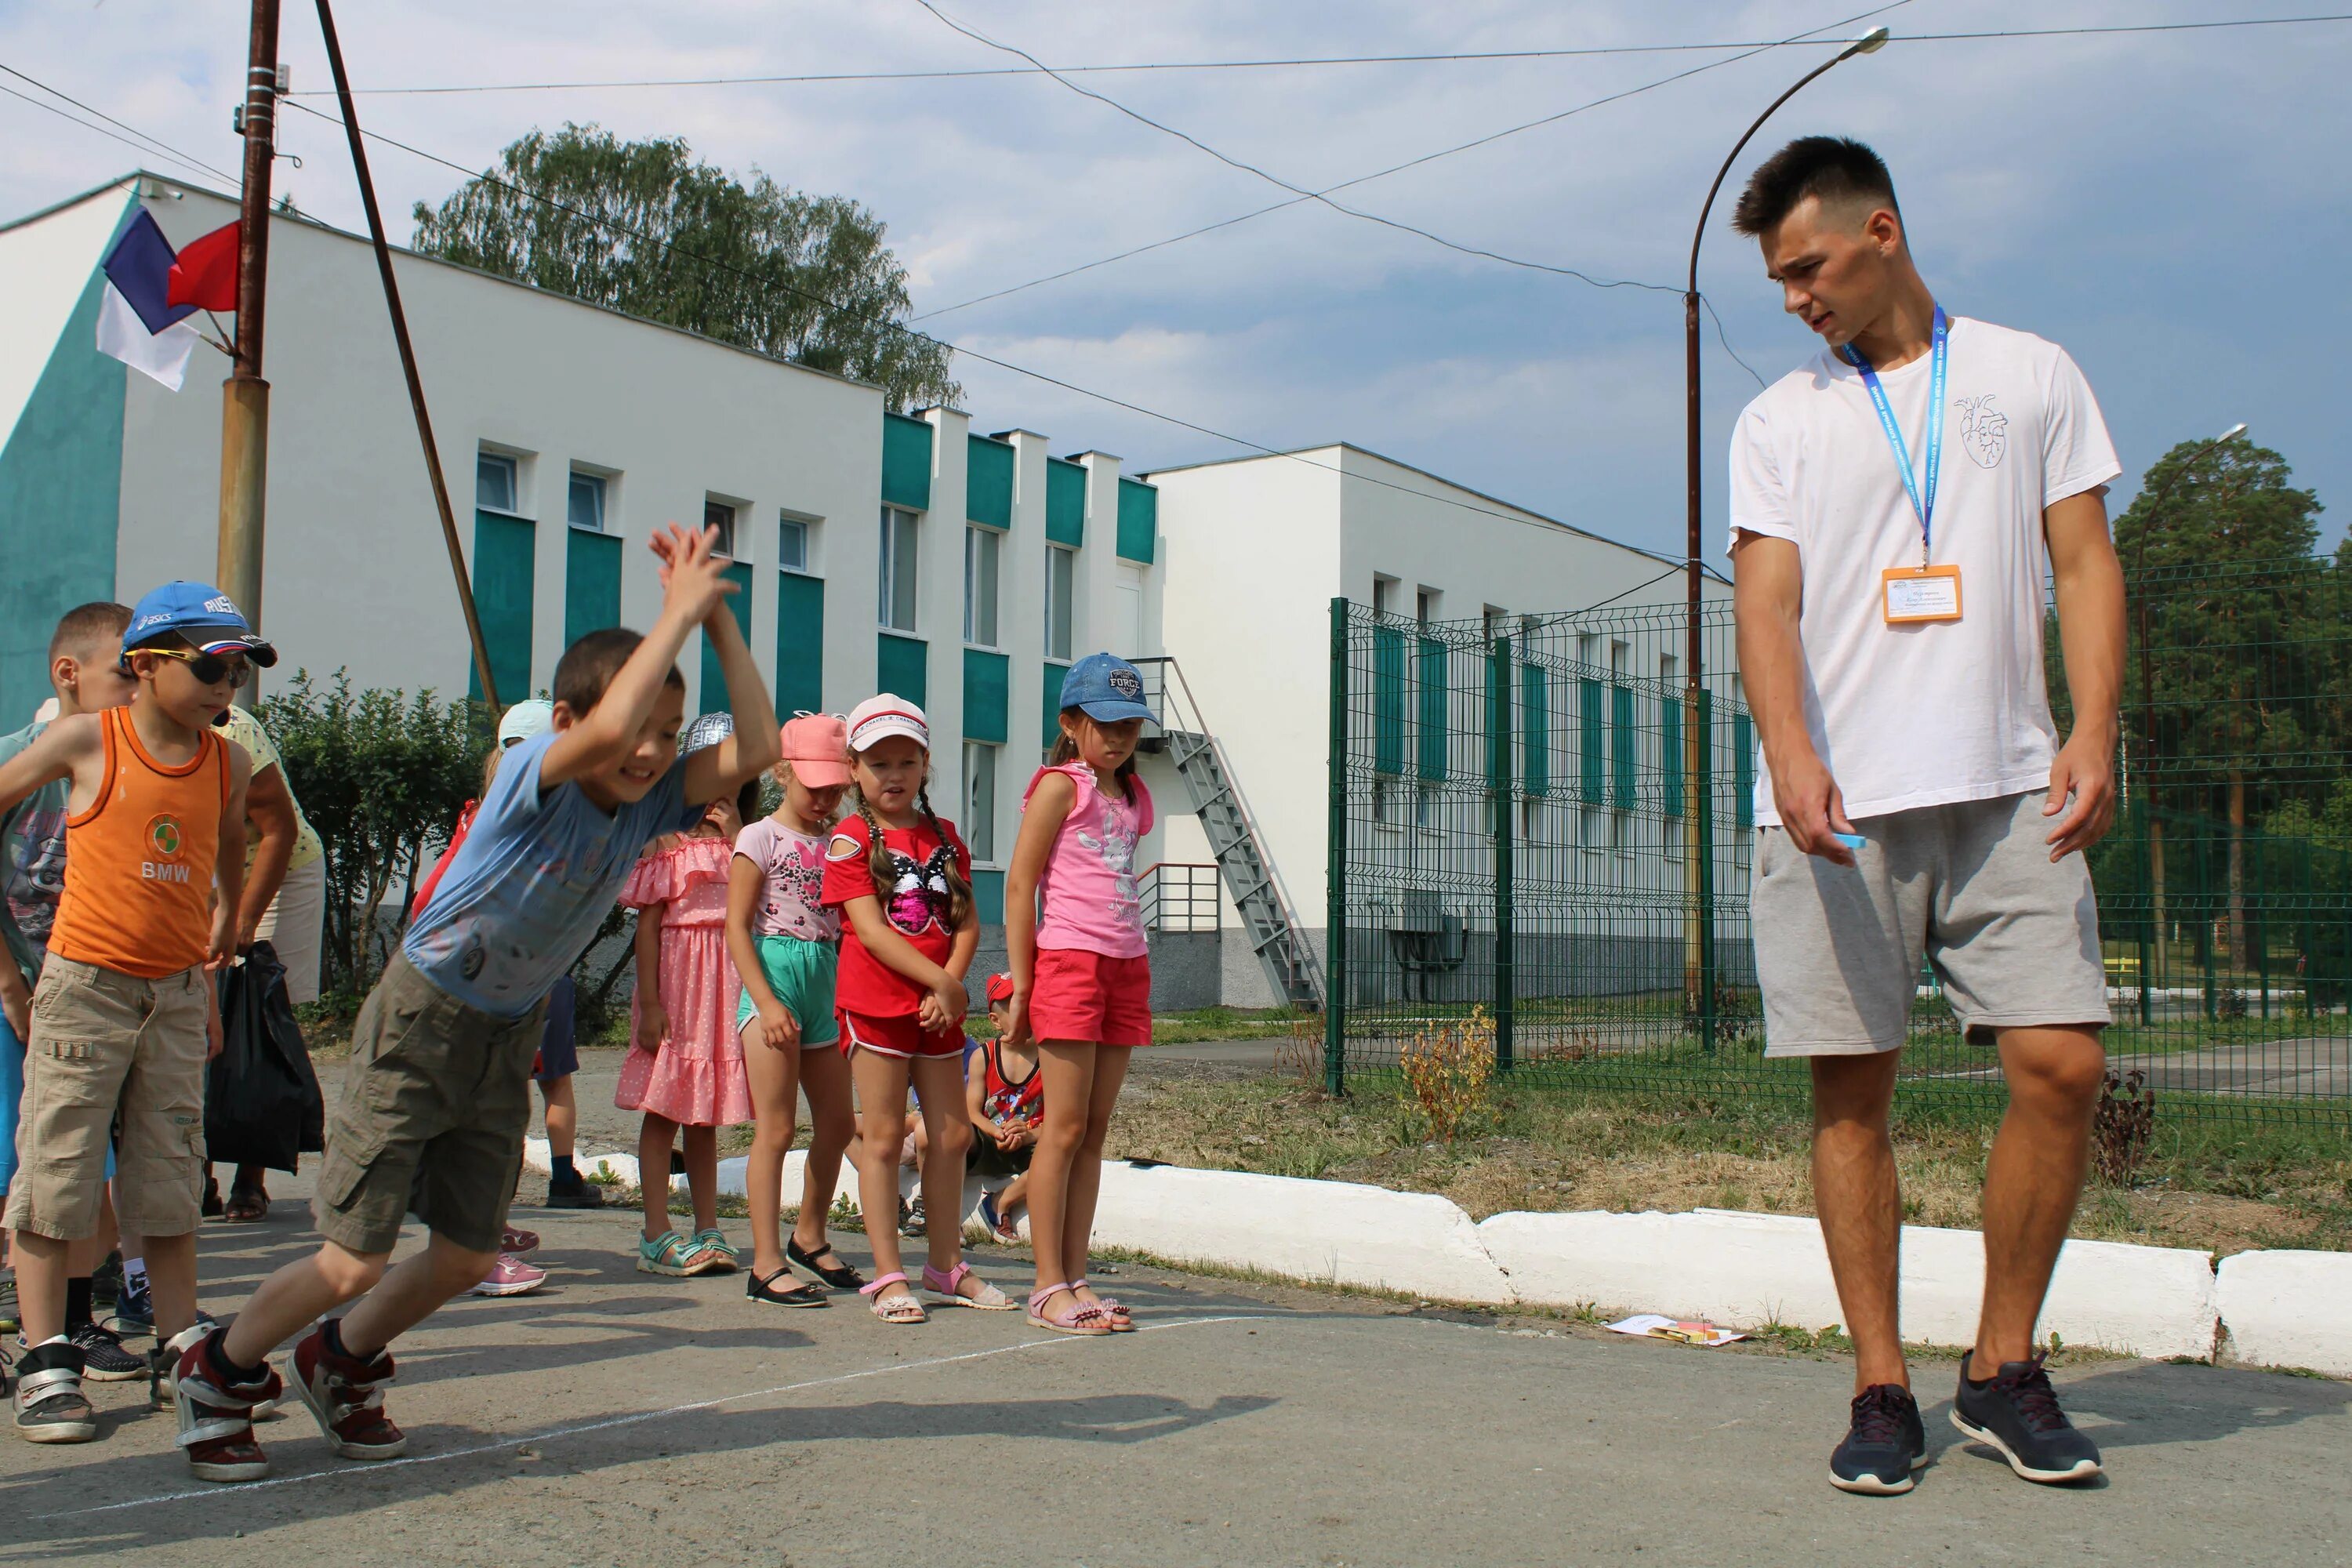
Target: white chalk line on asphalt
pixel 236 1488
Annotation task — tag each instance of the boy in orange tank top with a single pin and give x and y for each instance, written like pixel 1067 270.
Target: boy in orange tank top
pixel 124 1018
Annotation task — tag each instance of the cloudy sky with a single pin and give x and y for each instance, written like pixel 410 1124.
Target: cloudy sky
pixel 2172 206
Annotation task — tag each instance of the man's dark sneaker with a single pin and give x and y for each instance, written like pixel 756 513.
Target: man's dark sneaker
pixel 912 1222
pixel 2017 1412
pixel 106 1281
pixel 215 1407
pixel 49 1398
pixel 346 1397
pixel 1884 1443
pixel 577 1194
pixel 134 1317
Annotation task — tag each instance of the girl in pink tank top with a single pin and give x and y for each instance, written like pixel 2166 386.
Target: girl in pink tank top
pixel 1081 969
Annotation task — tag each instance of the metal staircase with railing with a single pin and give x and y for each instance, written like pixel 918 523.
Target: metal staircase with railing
pixel 1242 860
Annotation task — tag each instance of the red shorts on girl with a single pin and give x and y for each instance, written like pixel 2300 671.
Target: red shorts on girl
pixel 1079 995
pixel 898 1036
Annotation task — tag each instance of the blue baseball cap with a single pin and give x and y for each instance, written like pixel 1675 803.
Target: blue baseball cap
pixel 1106 689
pixel 206 617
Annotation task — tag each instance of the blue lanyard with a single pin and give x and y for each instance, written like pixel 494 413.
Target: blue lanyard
pixel 1922 505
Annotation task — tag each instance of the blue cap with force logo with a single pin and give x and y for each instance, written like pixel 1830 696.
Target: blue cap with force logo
pixel 201 613
pixel 1106 689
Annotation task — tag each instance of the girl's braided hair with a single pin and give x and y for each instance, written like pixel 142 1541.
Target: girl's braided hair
pixel 877 857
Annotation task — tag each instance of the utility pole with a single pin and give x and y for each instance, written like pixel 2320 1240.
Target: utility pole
pixel 245 396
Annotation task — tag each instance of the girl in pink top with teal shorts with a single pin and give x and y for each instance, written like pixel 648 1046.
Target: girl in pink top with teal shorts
pixel 1081 971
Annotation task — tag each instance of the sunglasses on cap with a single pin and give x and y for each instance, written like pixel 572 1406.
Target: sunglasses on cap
pixel 209 669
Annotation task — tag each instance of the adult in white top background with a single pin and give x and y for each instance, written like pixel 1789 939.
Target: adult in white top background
pixel 1895 505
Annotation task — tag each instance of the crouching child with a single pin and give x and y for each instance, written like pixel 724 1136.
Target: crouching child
pixel 436 1099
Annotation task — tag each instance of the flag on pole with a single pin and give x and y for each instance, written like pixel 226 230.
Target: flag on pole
pixel 137 322
pixel 206 273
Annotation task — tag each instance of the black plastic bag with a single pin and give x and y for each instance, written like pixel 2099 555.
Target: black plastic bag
pixel 262 1103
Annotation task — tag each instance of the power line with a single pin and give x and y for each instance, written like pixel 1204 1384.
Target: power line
pixel 1408 163
pixel 1526 521
pixel 1305 61
pixel 143 142
pixel 1300 190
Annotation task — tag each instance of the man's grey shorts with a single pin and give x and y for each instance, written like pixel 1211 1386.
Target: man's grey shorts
pixel 2014 937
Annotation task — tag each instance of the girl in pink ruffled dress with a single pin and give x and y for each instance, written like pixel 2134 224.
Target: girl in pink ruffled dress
pixel 684 1066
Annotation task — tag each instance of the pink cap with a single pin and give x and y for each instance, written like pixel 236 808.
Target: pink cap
pixel 817 745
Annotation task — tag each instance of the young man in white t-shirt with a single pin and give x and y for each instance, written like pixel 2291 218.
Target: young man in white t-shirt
pixel 1893 503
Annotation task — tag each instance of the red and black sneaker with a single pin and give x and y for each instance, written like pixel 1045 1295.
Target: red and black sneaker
pixel 216 1408
pixel 346 1396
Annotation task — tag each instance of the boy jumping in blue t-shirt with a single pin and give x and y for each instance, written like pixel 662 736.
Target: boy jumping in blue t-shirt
pixel 436 1098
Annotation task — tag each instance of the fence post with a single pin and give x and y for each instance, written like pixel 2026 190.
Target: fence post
pixel 1335 874
pixel 1498 795
pixel 2142 815
pixel 1703 802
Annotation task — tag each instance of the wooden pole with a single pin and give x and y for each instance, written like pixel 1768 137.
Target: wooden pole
pixel 408 359
pixel 244 396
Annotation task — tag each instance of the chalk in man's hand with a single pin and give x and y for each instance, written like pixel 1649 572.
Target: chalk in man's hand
pixel 1850 840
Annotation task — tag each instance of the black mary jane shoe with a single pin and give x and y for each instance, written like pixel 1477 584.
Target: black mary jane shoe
pixel 782 1290
pixel 840 1276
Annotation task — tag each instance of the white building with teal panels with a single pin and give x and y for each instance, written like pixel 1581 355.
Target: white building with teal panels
pixel 876 550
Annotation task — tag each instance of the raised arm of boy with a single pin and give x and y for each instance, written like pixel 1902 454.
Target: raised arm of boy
pixel 694 585
pixel 757 743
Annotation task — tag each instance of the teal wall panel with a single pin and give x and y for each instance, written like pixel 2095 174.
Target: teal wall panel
pixel 1138 521
pixel 1432 736
pixel 988 898
pixel 503 580
pixel 1743 770
pixel 714 679
pixel 1590 767
pixel 60 500
pixel 799 643
pixel 902 665
pixel 592 583
pixel 1670 753
pixel 1066 502
pixel 987 677
pixel 905 462
pixel 988 482
pixel 1535 726
pixel 1388 700
pixel 1621 742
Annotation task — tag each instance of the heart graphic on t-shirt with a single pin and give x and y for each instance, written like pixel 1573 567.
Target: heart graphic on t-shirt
pixel 1984 430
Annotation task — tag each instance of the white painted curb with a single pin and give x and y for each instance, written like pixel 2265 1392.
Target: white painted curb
pixel 2289 1309
pixel 1329 1232
pixel 1747 1270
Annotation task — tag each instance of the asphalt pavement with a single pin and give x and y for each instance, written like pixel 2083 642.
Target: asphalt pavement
pixel 620 1417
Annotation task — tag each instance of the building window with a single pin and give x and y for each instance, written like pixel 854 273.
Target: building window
pixel 721 515
pixel 981 548
pixel 498 483
pixel 980 800
pixel 1061 573
pixel 793 543
pixel 1384 592
pixel 1424 604
pixel 898 609
pixel 583 505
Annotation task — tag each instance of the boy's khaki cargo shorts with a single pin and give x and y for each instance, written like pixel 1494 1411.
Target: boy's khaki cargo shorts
pixel 107 1046
pixel 430 1121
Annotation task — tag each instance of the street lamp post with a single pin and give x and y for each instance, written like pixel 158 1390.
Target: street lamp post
pixel 2137 769
pixel 1698 826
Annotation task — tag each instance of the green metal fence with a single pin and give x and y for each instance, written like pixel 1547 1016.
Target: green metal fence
pixel 1533 816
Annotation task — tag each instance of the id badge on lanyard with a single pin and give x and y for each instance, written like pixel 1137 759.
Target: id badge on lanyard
pixel 1925 593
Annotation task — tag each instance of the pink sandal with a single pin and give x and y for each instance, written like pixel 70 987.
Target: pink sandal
pixel 1079 1318
pixel 1113 1312
pixel 947 1290
pixel 899 1309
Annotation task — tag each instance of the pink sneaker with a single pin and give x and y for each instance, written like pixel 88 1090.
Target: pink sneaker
pixel 514 1240
pixel 510 1276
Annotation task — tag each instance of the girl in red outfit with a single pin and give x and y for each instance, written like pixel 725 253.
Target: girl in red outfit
pixel 1081 977
pixel 902 881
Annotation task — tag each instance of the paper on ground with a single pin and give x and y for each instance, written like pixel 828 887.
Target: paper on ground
pixel 1648 1326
